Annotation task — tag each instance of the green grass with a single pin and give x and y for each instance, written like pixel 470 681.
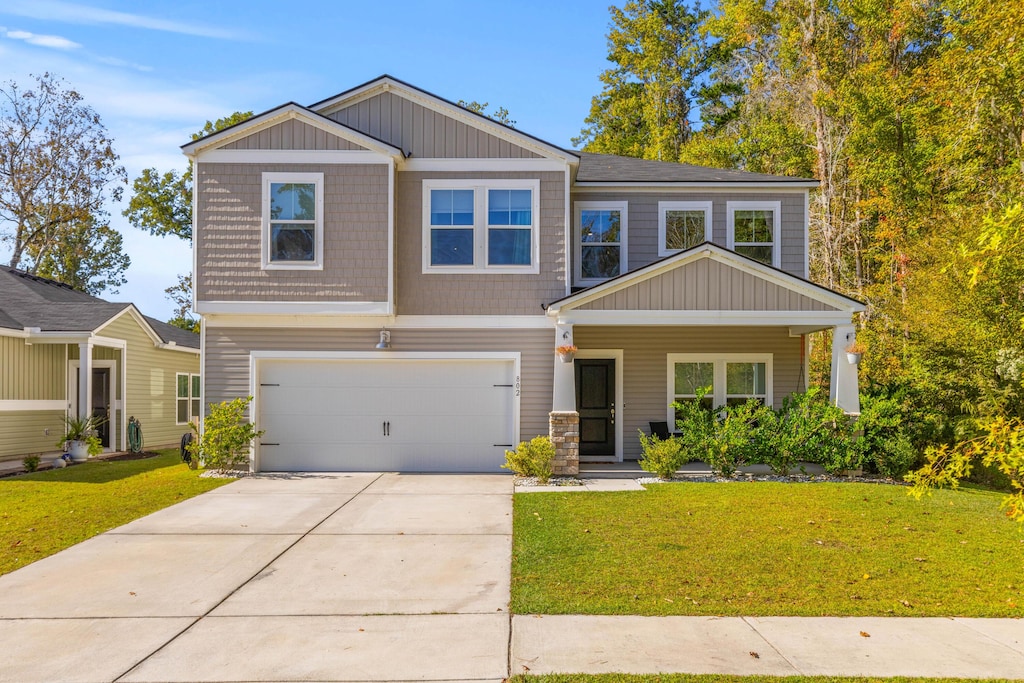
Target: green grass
pixel 725 678
pixel 767 549
pixel 45 512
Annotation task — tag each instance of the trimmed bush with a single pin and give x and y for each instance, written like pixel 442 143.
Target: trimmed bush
pixel 533 458
pixel 661 456
pixel 226 438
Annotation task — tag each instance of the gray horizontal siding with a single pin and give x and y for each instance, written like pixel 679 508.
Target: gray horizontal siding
pixel 424 132
pixel 293 134
pixel 422 293
pixel 642 227
pixel 706 285
pixel 24 432
pixel 645 371
pixel 229 233
pixel 226 374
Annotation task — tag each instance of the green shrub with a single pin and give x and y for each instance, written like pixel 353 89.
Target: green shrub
pixel 533 458
pixel 31 463
pixel 734 442
pixel 227 436
pixel 807 428
pixel 661 456
pixel 695 424
pixel 884 443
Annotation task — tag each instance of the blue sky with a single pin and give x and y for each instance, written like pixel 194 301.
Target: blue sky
pixel 156 71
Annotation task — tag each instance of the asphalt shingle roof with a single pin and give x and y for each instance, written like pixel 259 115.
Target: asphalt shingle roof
pixel 608 168
pixel 32 301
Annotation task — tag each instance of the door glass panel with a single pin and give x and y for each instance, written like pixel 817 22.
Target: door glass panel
pixel 593 430
pixel 593 386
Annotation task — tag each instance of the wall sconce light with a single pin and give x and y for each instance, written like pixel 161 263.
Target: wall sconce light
pixel 385 339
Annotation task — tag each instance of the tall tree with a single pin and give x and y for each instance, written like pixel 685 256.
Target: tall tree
pixel 181 296
pixel 500 114
pixel 660 56
pixel 90 257
pixel 57 168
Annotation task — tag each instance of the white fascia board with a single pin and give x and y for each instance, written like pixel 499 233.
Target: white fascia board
pixel 142 322
pixel 286 113
pixel 20 334
pixel 723 318
pixel 780 186
pixel 455 322
pixel 171 346
pixel 10 406
pixel 723 256
pixel 294 308
pixel 440 106
pixel 480 165
pixel 293 156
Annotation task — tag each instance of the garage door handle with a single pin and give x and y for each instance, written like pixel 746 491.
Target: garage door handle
pixel 387 428
pixel 269 444
pixel 503 445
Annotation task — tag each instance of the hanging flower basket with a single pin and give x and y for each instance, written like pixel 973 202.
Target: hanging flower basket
pixel 854 352
pixel 566 353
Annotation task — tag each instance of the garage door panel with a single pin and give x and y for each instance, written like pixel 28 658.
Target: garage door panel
pixel 395 414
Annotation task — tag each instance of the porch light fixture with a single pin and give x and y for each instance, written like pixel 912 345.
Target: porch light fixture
pixel 385 339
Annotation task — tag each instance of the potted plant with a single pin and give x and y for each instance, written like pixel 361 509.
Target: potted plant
pixel 80 438
pixel 566 352
pixel 854 351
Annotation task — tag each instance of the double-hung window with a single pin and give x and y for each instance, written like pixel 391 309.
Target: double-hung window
pixel 682 225
pixel 754 230
pixel 726 379
pixel 600 242
pixel 481 226
pixel 293 221
pixel 188 405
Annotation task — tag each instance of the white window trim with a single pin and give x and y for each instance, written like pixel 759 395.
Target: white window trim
pixel 318 256
pixel 623 208
pixel 665 207
pixel 480 227
pixel 719 360
pixel 730 223
pixel 189 398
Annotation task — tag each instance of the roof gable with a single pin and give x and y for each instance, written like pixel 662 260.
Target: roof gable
pixel 293 133
pixel 429 126
pixel 707 278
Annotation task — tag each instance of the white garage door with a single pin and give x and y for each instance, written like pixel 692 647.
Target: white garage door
pixel 412 415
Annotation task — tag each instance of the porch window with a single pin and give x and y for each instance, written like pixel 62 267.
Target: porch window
pixel 682 225
pixel 753 230
pixel 189 402
pixel 601 229
pixel 293 221
pixel 728 379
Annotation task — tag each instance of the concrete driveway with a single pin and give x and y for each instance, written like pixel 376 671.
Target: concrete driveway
pixel 319 577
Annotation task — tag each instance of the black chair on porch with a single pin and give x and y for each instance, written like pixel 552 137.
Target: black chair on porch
pixel 660 430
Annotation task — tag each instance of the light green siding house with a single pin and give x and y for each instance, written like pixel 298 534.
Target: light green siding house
pixel 63 352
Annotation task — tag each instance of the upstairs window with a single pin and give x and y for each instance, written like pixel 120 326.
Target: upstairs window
pixel 754 230
pixel 600 241
pixel 293 219
pixel 682 225
pixel 481 226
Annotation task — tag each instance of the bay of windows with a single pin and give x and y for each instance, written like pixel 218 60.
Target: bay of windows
pixel 724 379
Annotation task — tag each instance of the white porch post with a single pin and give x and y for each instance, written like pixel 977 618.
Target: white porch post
pixel 84 379
pixel 564 399
pixel 843 390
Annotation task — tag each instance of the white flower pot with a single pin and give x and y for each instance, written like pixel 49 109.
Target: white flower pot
pixel 853 358
pixel 79 450
pixel 566 357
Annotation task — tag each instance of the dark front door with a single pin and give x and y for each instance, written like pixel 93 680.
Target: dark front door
pixel 595 402
pixel 101 403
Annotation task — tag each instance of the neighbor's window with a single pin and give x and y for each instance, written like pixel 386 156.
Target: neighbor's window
pixel 727 378
pixel 753 230
pixel 682 225
pixel 601 240
pixel 293 220
pixel 480 226
pixel 188 404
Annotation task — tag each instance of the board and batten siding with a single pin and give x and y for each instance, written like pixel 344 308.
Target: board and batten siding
pixel 422 132
pixel 420 293
pixel 706 285
pixel 229 235
pixel 642 225
pixel 31 372
pixel 151 381
pixel 645 357
pixel 293 134
pixel 227 357
pixel 30 432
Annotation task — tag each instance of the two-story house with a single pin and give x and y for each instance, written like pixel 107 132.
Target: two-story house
pixel 389 274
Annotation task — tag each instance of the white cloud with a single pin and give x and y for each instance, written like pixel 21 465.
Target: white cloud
pixel 55 42
pixel 114 61
pixel 57 10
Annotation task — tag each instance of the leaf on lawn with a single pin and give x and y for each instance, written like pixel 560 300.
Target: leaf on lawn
pixel 755 655
pixel 905 603
pixel 867 576
pixel 920 559
pixel 865 634
pixel 131 592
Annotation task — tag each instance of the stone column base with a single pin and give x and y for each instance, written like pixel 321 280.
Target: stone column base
pixel 564 431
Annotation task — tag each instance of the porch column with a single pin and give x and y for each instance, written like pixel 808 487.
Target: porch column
pixel 85 379
pixel 843 390
pixel 564 399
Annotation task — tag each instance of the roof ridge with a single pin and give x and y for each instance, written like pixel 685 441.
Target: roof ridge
pixel 24 274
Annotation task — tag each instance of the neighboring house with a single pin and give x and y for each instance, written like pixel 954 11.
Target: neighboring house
pixel 63 352
pixel 388 274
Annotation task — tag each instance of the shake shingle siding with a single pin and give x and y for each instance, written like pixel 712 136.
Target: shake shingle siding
pixel 229 234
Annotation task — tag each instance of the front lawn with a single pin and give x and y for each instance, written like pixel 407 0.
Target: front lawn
pixel 767 549
pixel 726 678
pixel 45 512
